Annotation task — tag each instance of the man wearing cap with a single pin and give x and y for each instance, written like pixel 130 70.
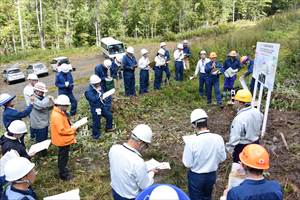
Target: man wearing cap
pixel 65 84
pixel 129 65
pixel 213 69
pixel 62 134
pixel 128 170
pixel 246 126
pixel 21 174
pixel 28 90
pixel 166 69
pixel 203 152
pixel 94 95
pixel 200 69
pixel 144 66
pixel 40 115
pixel 187 54
pixel 255 159
pixel 12 139
pixel 179 65
pixel 160 63
pixel 231 67
pixel 10 113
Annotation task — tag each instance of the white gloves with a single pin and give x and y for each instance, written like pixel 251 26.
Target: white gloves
pixel 67 83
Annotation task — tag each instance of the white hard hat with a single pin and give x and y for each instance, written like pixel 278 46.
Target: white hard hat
pixel 185 41
pixel 161 51
pixel 164 192
pixel 143 132
pixel 179 46
pixel 94 79
pixel 32 77
pixel 5 97
pixel 198 115
pixel 107 63
pixel 202 52
pixel 163 44
pixel 39 86
pixel 17 127
pixel 130 50
pixel 62 100
pixel 17 168
pixel 144 51
pixel 119 58
pixel 65 68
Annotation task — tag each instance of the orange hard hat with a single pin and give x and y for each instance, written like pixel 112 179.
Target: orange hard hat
pixel 255 156
pixel 213 55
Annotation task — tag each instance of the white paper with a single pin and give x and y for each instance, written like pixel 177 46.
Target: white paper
pixel 230 72
pixel 108 93
pixel 80 123
pixel 39 147
pixel 243 83
pixel 7 156
pixel 154 164
pixel 71 195
pixel 236 176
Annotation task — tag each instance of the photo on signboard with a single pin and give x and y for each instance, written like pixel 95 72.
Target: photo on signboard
pixel 262 78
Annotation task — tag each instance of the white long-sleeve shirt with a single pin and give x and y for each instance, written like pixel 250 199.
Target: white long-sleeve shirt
pixel 201 66
pixel 178 55
pixel 144 63
pixel 128 171
pixel 27 92
pixel 203 152
pixel 160 61
pixel 245 127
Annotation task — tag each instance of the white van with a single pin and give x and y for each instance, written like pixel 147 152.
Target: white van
pixel 112 47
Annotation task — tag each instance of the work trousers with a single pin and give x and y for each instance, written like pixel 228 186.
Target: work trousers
pixel 158 72
pixel 210 83
pixel 144 81
pixel 179 70
pixel 166 69
pixel 116 196
pixel 40 136
pixel 202 87
pixel 129 83
pixel 238 149
pixel 229 83
pixel 201 185
pixel 96 133
pixel 63 158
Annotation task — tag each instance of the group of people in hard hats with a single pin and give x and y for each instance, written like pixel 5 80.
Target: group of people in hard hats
pixel 130 179
pixel 202 154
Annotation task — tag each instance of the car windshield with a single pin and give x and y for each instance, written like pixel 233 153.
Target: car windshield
pixel 116 48
pixel 66 61
pixel 14 71
pixel 39 66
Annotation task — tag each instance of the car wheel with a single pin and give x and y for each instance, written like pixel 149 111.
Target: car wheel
pixel 46 74
pixel 74 69
pixel 8 82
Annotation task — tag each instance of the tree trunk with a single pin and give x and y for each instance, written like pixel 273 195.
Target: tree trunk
pixel 97 25
pixel 20 24
pixel 39 20
pixel 57 31
pixel 14 42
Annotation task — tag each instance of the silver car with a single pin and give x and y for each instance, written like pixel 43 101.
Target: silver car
pixel 37 68
pixel 12 74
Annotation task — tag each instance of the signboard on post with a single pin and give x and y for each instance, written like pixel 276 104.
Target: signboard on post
pixel 264 72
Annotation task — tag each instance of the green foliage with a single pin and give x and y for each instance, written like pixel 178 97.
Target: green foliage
pixel 69 23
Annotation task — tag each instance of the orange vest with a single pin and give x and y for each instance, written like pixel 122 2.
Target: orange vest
pixel 61 132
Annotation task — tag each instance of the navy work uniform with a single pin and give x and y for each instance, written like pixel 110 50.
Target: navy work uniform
pixel 129 65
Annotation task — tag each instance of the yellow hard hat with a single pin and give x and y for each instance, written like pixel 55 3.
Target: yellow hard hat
pixel 243 96
pixel 213 55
